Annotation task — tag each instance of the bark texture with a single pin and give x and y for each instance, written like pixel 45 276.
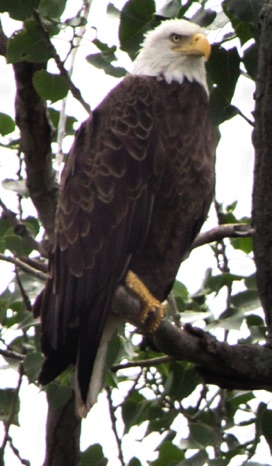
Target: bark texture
pixel 62 435
pixel 245 367
pixel 63 427
pixel 32 120
pixel 262 191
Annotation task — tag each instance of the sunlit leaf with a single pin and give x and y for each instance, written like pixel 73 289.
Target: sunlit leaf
pixel 17 186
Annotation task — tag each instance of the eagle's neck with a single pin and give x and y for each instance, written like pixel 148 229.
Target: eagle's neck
pixel 192 68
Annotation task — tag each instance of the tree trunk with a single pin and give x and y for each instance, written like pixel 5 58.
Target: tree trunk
pixel 62 435
pixel 262 189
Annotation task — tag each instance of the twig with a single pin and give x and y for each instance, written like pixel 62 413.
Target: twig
pixel 23 266
pixel 26 299
pixel 73 52
pixel 16 452
pixel 8 422
pixel 229 230
pixel 250 122
pixel 113 422
pixel 12 355
pixel 142 363
pixel 74 90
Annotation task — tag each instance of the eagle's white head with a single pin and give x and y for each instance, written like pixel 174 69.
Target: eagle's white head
pixel 175 50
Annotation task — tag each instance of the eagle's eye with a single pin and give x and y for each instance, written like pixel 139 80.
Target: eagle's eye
pixel 175 38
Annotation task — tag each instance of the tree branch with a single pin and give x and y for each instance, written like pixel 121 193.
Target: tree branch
pixel 262 189
pixel 231 230
pixel 234 367
pixel 62 435
pixel 23 266
pixel 31 118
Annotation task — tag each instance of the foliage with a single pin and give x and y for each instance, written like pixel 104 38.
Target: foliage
pixel 195 423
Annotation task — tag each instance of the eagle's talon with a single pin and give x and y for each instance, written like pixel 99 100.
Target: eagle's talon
pixel 153 311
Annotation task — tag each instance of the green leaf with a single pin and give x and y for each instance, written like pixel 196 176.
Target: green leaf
pixel 266 426
pixel 51 8
pixel 93 455
pixel 135 20
pixel 28 45
pixel 9 406
pixel 248 300
pixel 7 124
pixel 202 434
pixel 135 462
pixel 204 17
pixel 134 410
pixel 215 283
pixel 69 122
pixel 246 10
pixel 100 61
pixel 16 244
pixel 170 10
pixel 180 290
pixel 17 186
pixel 181 382
pixel 169 454
pixel 224 70
pixel 18 9
pixel 250 60
pixel 50 86
pixel 32 224
pixel 32 366
pixel 58 395
pixel 244 244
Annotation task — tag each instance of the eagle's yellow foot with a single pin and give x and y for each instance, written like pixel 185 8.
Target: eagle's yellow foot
pixel 153 311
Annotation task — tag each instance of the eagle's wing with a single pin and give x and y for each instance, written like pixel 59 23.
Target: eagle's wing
pixel 106 199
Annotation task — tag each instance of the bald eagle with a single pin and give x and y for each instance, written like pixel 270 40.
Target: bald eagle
pixel 135 191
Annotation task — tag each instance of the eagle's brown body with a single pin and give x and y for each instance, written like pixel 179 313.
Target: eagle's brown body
pixel 136 189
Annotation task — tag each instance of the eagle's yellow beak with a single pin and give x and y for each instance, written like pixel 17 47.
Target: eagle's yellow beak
pixel 197 45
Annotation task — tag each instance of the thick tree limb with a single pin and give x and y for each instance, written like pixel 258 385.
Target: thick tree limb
pixel 31 118
pixel 62 435
pixel 262 190
pixel 238 366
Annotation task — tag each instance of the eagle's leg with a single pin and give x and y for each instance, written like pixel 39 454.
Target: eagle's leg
pixel 153 311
